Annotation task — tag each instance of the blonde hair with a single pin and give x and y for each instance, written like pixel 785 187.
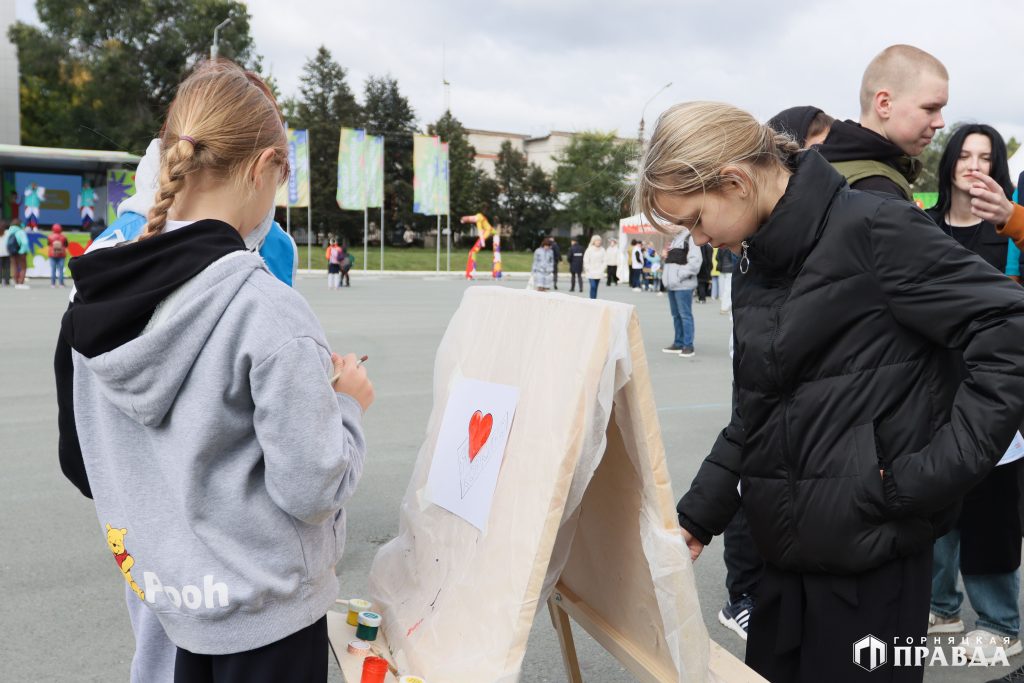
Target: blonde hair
pixel 894 69
pixel 220 122
pixel 693 142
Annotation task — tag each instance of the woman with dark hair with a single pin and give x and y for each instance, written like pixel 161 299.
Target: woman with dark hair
pixel 972 149
pixel 986 543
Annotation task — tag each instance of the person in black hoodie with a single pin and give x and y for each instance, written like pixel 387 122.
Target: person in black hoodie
pixel 853 435
pixel 575 259
pixel 807 125
pixel 901 98
pixel 987 540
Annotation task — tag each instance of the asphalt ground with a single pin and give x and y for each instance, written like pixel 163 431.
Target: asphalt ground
pixel 62 613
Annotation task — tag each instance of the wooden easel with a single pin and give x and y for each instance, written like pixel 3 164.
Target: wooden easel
pixel 595 529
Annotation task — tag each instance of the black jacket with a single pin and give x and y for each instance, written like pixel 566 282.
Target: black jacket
pixel 983 240
pixel 850 141
pixel 852 322
pixel 575 258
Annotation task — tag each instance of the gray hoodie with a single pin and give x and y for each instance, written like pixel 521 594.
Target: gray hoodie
pixel 219 459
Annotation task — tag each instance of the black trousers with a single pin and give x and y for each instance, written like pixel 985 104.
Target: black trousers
pixel 743 564
pixel 298 658
pixel 634 277
pixel 554 279
pixel 613 276
pixel 804 626
pixel 576 277
pixel 5 270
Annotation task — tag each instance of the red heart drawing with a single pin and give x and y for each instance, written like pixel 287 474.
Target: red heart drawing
pixel 479 431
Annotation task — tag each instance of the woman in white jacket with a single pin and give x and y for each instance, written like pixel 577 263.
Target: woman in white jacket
pixel 593 264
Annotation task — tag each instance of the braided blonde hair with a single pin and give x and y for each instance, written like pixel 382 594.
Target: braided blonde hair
pixel 693 142
pixel 220 122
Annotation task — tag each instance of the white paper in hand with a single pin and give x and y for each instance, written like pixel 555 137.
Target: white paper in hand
pixel 1015 452
pixel 470 447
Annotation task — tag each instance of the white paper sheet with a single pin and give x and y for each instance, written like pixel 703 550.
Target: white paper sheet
pixel 470 448
pixel 1015 452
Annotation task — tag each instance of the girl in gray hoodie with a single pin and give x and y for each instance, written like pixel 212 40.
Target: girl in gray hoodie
pixel 220 436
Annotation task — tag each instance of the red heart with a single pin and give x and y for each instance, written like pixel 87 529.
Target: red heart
pixel 479 431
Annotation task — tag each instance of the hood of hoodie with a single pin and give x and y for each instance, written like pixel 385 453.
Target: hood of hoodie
pixel 142 369
pixel 850 141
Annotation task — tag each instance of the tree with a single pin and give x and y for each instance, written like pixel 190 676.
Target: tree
pixel 525 199
pixel 593 173
pixel 928 178
pixel 101 76
pixel 464 179
pixel 387 112
pixel 324 105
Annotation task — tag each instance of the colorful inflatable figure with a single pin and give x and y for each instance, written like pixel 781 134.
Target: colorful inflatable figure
pixel 34 196
pixel 483 231
pixel 86 202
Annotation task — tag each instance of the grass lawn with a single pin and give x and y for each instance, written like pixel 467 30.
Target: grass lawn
pixel 416 258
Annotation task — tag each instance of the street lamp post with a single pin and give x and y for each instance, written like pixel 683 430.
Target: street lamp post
pixel 640 135
pixel 214 50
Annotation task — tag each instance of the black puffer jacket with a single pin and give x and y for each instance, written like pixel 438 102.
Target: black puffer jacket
pixel 850 325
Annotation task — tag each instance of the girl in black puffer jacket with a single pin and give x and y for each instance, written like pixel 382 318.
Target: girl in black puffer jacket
pixel 854 432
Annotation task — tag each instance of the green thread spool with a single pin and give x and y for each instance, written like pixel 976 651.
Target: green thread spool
pixel 369 623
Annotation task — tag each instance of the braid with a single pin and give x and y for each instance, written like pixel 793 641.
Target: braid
pixel 785 145
pixel 175 165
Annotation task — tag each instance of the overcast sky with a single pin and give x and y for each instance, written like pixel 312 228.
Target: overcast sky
pixel 531 66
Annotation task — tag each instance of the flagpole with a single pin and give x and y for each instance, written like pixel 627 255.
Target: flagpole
pixel 448 222
pixel 366 238
pixel 438 241
pixel 382 233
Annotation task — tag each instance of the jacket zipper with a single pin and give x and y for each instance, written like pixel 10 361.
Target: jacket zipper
pixel 744 258
pixel 784 394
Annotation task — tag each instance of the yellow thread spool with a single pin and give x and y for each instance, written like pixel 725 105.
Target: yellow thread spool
pixel 355 606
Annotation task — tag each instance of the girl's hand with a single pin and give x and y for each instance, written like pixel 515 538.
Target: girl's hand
pixel 352 379
pixel 988 201
pixel 693 544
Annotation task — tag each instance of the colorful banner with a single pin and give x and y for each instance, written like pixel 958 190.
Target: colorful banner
pixel 351 192
pixel 443 185
pixel 295 192
pixel 374 170
pixel 426 162
pixel 120 186
pixel 38 261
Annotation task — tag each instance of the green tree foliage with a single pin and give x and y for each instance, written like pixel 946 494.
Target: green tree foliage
pixel 593 175
pixel 526 199
pixel 387 112
pixel 325 104
pixel 101 75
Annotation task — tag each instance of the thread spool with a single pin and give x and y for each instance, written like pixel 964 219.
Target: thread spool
pixel 355 606
pixel 369 623
pixel 359 647
pixel 374 670
pixel 411 679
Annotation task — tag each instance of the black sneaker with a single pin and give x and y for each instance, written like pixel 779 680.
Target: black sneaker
pixel 686 352
pixel 1012 677
pixel 672 349
pixel 736 615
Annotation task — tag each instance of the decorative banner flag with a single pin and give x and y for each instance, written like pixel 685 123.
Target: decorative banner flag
pixel 374 170
pixel 120 186
pixel 442 189
pixel 295 192
pixel 352 169
pixel 426 151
